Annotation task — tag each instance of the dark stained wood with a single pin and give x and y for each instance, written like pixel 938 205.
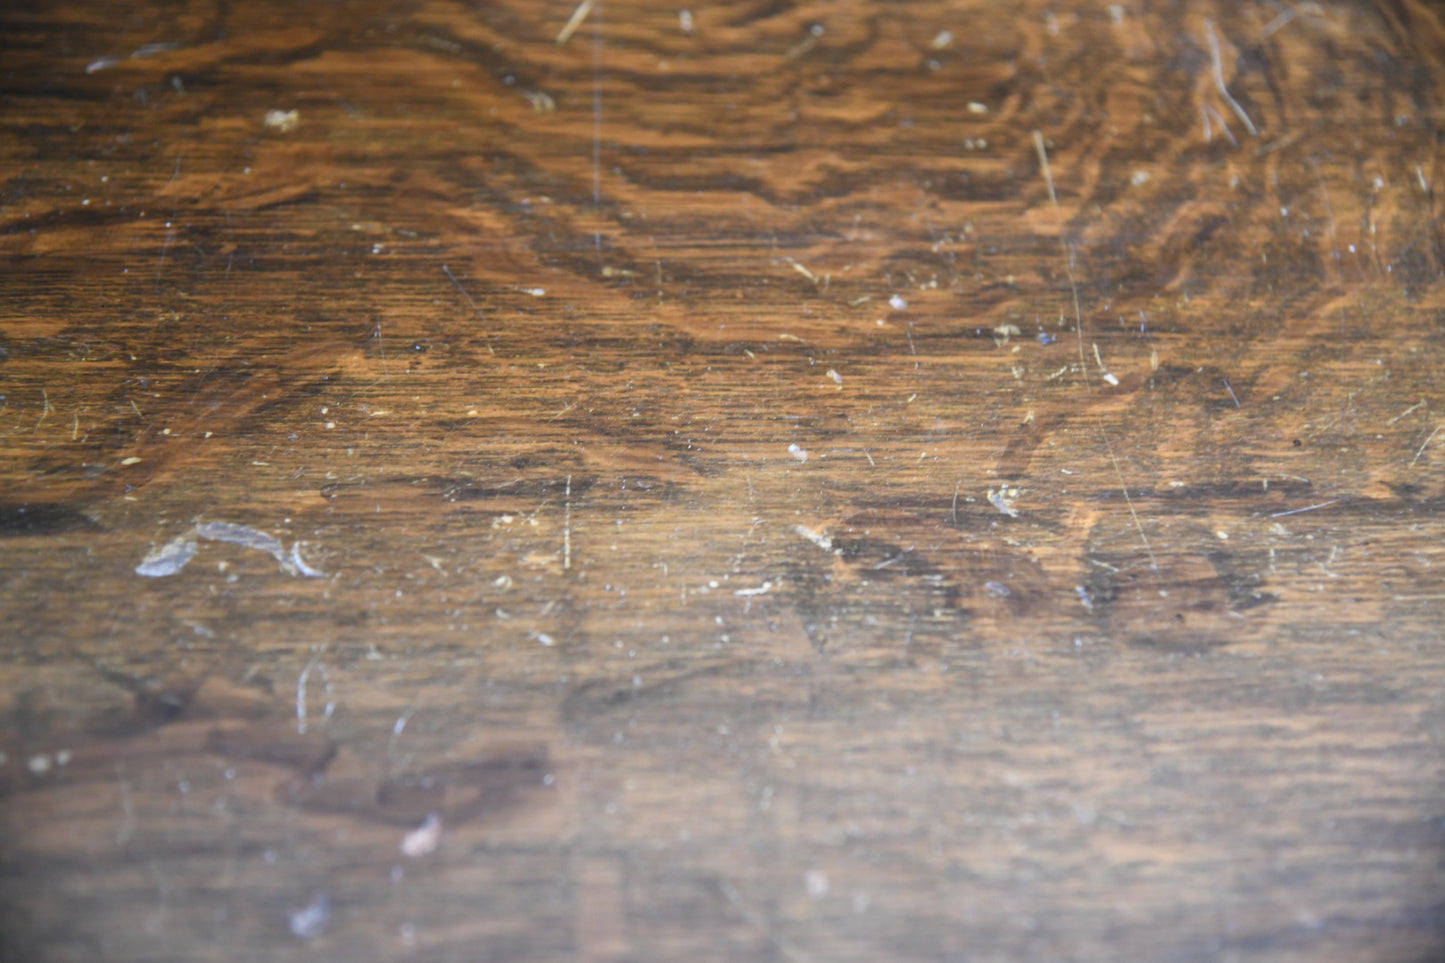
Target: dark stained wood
pixel 804 481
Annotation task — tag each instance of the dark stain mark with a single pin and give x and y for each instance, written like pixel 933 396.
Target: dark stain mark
pixel 588 701
pixel 490 783
pixel 276 742
pixel 1179 603
pixel 18 521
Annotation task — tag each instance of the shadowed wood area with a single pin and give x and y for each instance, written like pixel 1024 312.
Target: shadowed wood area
pixel 791 481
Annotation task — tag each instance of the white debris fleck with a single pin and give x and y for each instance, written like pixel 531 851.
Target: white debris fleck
pixel 243 535
pixel 685 22
pixel 1139 178
pixel 816 882
pixel 282 121
pixel 311 920
pixel 977 107
pixel 897 303
pixel 541 101
pixel 169 559
pixel 798 452
pixel 1003 332
pixel 1110 378
pixel 423 839
pixel 1004 500
pixel 817 538
pixel 39 764
pixel 836 378
pixel 174 555
pixel 760 590
pixel 942 40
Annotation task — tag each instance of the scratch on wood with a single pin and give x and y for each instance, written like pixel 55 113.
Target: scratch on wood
pixel 567 527
pixel 1219 79
pixel 575 21
pixel 1079 329
pixel 760 922
pixel 1307 508
pixel 465 296
pixel 1063 246
pixel 1421 450
pixel 1123 487
pixel 1408 411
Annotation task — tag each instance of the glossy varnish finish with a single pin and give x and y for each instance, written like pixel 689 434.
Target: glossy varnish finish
pixel 801 481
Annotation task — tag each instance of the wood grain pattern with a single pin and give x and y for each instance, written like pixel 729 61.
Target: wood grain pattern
pixel 803 480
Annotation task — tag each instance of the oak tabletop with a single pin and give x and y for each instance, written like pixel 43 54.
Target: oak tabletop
pixel 801 480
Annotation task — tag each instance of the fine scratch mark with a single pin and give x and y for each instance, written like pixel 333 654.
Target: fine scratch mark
pixel 1207 111
pixel 1307 508
pixel 330 707
pixel 165 249
pixel 575 21
pixel 760 923
pixel 170 229
pixel 1339 280
pixel 597 121
pixel 301 696
pixel 1422 448
pixel 1067 251
pixel 1219 79
pixel 381 351
pixel 567 528
pixel 1079 328
pixel 127 828
pixel 301 565
pixel 467 297
pixel 1408 411
pixel 1153 562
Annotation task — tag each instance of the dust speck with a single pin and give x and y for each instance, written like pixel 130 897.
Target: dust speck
pixel 311 920
pixel 423 839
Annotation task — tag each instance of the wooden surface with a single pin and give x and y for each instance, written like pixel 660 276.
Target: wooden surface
pixel 701 464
